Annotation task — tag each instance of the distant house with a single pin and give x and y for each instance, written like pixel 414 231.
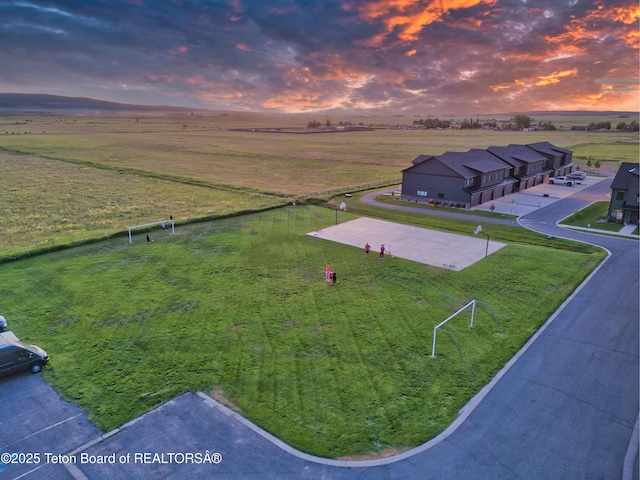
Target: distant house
pixel 624 203
pixel 580 128
pixel 478 176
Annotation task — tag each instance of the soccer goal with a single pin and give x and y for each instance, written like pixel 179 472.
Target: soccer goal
pixel 164 223
pixel 471 304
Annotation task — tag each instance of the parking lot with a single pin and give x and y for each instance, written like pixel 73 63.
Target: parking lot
pixel 37 427
pixel 534 198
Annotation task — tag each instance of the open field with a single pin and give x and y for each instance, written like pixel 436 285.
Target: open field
pixel 202 148
pixel 192 166
pixel 239 307
pixel 46 202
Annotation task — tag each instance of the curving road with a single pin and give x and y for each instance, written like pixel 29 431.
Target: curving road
pixel 370 199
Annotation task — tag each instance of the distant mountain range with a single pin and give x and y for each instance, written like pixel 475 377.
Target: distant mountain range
pixel 29 103
pixel 41 103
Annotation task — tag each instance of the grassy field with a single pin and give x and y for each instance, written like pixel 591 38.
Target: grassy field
pixel 46 202
pixel 239 308
pixel 203 148
pixel 71 178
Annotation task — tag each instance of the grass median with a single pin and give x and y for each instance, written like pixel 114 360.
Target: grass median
pixel 239 308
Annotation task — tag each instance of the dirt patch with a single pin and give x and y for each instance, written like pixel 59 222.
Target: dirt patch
pixel 221 396
pixel 387 452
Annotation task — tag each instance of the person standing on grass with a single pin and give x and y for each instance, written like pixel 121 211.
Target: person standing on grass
pixel 333 277
pixel 327 272
pixel 367 247
pixel 381 256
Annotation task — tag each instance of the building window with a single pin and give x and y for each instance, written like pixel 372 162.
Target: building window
pixel 619 195
pixel 421 193
pixel 441 195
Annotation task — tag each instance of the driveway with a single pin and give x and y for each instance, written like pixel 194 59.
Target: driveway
pixel 564 407
pixel 534 198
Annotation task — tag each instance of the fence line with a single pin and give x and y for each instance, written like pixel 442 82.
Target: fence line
pixel 354 188
pixel 60 242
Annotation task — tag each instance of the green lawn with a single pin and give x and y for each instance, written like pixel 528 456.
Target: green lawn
pixel 239 308
pixel 592 216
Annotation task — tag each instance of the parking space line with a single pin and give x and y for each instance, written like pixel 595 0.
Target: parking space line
pixel 41 430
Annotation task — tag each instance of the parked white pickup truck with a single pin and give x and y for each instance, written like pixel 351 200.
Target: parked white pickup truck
pixel 562 181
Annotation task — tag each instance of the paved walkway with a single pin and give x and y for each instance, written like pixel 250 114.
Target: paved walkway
pixel 626 231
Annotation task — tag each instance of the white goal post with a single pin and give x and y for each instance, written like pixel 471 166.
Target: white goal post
pixel 471 304
pixel 161 222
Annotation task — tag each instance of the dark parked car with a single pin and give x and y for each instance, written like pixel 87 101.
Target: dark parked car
pixel 15 356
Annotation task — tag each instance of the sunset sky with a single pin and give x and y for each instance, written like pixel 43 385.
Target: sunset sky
pixel 413 56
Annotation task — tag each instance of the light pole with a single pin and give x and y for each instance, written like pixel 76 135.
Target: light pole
pixel 477 231
pixel 343 206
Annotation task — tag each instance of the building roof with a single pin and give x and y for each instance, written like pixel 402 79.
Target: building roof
pixel 466 164
pixel 482 161
pixel 421 158
pixel 451 160
pixel 517 155
pixel 548 148
pixel 627 177
pixel 469 164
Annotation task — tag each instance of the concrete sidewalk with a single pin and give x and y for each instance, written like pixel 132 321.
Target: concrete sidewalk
pixel 626 231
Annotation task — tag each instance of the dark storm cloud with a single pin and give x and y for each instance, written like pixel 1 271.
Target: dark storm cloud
pixel 459 55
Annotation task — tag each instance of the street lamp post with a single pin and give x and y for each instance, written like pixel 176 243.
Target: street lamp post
pixel 477 231
pixel 343 207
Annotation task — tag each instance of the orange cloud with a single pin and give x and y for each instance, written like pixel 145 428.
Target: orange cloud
pixel 628 15
pixel 497 88
pixel 407 18
pixel 586 27
pixel 555 77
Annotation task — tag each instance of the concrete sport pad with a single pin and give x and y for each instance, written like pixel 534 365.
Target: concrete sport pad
pixel 430 247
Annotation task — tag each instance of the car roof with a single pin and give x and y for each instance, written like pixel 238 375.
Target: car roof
pixel 8 339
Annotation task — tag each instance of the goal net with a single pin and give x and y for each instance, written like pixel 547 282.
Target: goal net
pixel 169 223
pixel 472 304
